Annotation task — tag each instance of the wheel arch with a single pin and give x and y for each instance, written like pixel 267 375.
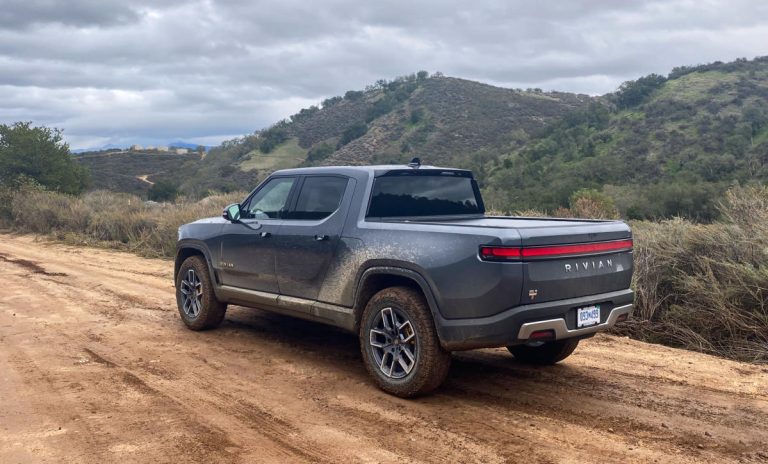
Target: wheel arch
pixel 189 249
pixel 375 279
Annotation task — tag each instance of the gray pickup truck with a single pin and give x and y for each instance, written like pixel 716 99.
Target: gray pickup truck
pixel 405 257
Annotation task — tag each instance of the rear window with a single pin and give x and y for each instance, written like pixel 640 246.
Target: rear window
pixel 319 198
pixel 423 193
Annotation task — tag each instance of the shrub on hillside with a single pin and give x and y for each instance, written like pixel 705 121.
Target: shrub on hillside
pixel 271 138
pixel 593 204
pixel 163 190
pixel 320 152
pixel 703 286
pixel 355 131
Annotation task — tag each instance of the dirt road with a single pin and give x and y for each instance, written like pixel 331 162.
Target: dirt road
pixel 96 367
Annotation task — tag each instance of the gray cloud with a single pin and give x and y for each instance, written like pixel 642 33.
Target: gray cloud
pixel 150 71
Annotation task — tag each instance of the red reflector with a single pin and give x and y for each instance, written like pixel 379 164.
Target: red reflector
pixel 622 318
pixel 583 248
pixel 500 252
pixel 542 335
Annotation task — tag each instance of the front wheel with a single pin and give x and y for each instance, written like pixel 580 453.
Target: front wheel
pixel 546 353
pixel 399 343
pixel 198 306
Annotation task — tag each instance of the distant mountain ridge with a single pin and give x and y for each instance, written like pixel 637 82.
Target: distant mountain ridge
pixel 112 146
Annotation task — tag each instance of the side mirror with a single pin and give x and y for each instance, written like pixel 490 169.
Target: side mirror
pixel 232 213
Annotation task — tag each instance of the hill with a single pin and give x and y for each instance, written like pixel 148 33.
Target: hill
pixel 444 120
pixel 135 172
pixel 658 147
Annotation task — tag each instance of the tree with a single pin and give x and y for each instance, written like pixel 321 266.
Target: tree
pixel 163 190
pixel 353 95
pixel 632 93
pixel 271 138
pixel 41 154
pixel 328 102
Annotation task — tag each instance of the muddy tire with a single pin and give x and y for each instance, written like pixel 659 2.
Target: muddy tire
pixel 198 306
pixel 399 343
pixel 546 354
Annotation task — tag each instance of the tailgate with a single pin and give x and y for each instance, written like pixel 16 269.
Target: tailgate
pixel 572 259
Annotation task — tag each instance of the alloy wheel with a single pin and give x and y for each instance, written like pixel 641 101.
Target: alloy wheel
pixel 394 343
pixel 192 294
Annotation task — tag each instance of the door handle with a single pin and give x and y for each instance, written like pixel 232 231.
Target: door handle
pixel 320 238
pixel 265 234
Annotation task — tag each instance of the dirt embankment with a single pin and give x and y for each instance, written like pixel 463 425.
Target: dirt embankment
pixel 96 367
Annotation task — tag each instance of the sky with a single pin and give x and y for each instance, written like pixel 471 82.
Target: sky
pixel 203 71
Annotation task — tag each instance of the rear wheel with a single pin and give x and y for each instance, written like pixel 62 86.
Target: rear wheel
pixel 546 353
pixel 197 303
pixel 399 343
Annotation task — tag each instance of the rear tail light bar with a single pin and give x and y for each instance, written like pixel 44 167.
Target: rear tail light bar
pixel 494 253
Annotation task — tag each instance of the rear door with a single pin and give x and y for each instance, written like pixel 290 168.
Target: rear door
pixel 248 246
pixel 309 235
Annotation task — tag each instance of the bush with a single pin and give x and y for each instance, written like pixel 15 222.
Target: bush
pixel 417 115
pixel 593 204
pixel 703 286
pixel 320 152
pixel 163 190
pixel 355 131
pixel 272 138
pixel 111 219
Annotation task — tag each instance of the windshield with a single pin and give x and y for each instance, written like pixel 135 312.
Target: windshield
pixel 424 193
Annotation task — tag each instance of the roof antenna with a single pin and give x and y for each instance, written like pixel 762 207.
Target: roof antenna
pixel 415 163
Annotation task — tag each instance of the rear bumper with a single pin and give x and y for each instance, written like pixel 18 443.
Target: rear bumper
pixel 515 325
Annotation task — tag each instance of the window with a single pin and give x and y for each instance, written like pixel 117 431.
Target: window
pixel 270 200
pixel 425 193
pixel 319 197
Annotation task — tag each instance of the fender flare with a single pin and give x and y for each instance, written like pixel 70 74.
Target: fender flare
pixel 185 244
pixel 402 272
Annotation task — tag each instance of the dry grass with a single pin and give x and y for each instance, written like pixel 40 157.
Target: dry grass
pixel 699 286
pixel 705 286
pixel 115 220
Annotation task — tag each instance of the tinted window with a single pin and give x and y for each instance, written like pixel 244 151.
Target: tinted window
pixel 319 197
pixel 424 195
pixel 271 199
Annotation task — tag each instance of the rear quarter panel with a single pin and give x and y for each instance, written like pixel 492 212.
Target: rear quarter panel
pixel 463 286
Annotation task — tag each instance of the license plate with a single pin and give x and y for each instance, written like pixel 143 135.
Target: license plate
pixel 589 315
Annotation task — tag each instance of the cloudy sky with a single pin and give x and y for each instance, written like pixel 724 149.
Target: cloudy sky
pixel 156 71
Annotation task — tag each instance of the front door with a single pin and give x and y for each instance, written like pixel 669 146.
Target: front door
pixel 310 233
pixel 248 246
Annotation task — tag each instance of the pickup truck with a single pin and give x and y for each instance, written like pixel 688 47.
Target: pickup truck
pixel 405 257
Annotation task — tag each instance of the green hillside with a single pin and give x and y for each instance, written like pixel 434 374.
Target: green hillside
pixel 657 147
pixel 441 119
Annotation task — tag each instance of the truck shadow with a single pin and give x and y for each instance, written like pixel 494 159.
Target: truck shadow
pixel 339 350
